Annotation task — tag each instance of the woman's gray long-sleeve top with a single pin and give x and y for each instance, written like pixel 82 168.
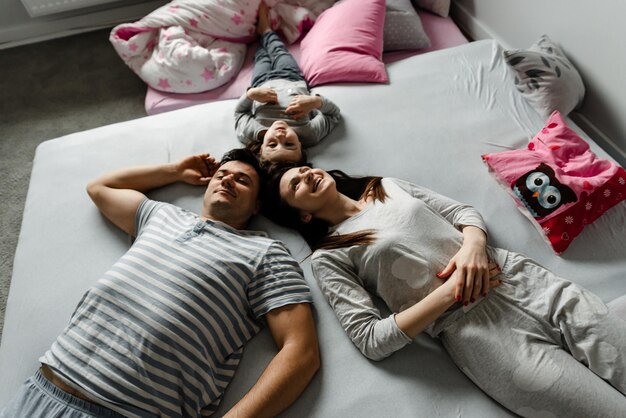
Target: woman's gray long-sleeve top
pixel 417 233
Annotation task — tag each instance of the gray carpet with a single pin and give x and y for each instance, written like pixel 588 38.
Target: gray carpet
pixel 48 90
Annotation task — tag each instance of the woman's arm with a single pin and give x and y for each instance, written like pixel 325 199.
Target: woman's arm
pixel 374 336
pixel 472 264
pixel 458 214
pixel 418 317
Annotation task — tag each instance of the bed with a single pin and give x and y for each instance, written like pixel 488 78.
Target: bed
pixel 430 125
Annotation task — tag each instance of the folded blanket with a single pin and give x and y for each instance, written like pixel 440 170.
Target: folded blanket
pixel 191 46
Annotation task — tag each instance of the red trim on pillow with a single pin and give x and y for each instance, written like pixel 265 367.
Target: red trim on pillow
pixel 561 230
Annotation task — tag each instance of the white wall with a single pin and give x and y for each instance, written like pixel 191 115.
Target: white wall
pixel 592 35
pixel 17 27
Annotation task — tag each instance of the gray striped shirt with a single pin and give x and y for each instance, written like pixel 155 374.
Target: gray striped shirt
pixel 162 332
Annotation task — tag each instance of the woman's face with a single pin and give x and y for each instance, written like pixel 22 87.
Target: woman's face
pixel 307 189
pixel 281 143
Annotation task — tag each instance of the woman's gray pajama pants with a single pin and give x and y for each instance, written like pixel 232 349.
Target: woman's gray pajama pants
pixel 542 346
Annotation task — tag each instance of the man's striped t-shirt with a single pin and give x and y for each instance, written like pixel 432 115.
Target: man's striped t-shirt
pixel 162 332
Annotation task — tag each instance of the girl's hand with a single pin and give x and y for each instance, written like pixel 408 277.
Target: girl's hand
pixel 300 105
pixel 262 95
pixel 197 169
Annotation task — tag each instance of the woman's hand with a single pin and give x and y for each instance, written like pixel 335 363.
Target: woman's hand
pixel 197 169
pixel 415 319
pixel 262 95
pixel 457 283
pixel 469 269
pixel 301 104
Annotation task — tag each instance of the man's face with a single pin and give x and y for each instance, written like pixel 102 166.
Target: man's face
pixel 281 143
pixel 232 194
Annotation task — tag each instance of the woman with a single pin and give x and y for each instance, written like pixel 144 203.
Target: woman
pixel 536 343
pixel 277 116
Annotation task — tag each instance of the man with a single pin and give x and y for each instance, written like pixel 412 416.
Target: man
pixel 162 332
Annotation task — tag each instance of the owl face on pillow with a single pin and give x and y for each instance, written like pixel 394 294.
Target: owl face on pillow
pixel 541 192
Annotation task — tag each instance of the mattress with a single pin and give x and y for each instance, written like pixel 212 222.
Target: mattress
pixel 430 125
pixel 443 33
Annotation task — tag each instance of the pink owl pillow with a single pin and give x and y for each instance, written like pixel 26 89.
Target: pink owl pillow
pixel 558 182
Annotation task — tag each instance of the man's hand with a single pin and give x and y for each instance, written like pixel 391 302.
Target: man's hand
pixel 300 105
pixel 197 170
pixel 262 95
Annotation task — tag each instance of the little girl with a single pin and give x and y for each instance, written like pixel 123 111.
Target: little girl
pixel 278 116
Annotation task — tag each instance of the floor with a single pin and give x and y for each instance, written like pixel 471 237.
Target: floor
pixel 48 90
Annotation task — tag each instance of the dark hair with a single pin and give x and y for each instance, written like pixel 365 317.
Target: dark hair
pixel 315 232
pixel 255 147
pixel 245 156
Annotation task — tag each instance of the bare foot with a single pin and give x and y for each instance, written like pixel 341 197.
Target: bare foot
pixel 263 22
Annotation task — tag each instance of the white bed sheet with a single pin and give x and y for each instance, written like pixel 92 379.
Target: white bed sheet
pixel 429 126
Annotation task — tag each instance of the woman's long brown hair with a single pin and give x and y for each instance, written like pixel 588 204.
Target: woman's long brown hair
pixel 315 232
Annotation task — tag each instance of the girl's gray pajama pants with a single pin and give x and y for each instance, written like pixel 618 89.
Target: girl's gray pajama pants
pixel 542 346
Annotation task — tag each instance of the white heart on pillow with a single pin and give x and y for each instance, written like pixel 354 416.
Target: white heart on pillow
pixel 546 78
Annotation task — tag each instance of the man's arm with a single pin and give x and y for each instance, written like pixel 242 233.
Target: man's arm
pixel 119 193
pixel 292 368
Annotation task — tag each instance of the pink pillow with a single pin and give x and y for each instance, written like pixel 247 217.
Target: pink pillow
pixel 346 44
pixel 558 182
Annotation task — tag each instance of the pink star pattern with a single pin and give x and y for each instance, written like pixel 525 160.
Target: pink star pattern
pixel 164 83
pixel 193 22
pixel 207 75
pixel 236 19
pixel 132 46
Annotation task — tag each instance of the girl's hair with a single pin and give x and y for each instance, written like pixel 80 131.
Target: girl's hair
pixel 254 145
pixel 315 232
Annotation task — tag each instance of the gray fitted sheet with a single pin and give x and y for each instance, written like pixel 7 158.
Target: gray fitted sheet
pixel 429 126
